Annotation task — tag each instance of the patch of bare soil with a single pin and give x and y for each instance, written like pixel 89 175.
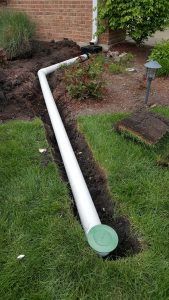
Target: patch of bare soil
pixel 19 85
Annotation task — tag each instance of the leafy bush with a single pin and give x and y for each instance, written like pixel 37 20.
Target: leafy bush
pixel 139 18
pixel 85 80
pixel 160 53
pixel 16 32
pixel 116 68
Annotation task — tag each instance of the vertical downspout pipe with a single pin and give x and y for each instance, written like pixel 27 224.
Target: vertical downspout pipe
pixel 94 40
pixel 102 238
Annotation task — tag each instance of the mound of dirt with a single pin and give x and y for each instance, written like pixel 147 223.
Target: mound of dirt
pixel 19 85
pixel 145 126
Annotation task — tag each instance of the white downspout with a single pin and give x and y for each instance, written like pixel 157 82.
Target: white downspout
pixel 94 40
pixel 96 233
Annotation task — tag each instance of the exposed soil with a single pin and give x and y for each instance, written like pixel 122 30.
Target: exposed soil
pixel 21 98
pixel 146 126
pixel 19 82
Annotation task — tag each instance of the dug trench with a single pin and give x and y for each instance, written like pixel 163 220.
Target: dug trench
pixel 24 100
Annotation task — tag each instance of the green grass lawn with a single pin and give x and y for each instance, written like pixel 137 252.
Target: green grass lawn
pixel 36 219
pixel 142 191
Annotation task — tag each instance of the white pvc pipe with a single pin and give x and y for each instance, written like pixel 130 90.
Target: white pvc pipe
pixel 86 209
pixel 87 212
pixel 94 23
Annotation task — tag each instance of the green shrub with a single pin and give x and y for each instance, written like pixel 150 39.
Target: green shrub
pixel 116 68
pixel 160 53
pixel 85 80
pixel 16 32
pixel 140 19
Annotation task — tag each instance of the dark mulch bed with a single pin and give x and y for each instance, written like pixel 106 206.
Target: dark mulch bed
pixel 124 92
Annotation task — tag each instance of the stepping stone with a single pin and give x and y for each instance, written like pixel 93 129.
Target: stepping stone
pixel 146 126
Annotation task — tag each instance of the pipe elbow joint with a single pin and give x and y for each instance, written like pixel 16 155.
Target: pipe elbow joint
pixel 94 42
pixel 39 72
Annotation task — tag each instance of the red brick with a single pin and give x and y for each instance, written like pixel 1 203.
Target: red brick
pixel 56 19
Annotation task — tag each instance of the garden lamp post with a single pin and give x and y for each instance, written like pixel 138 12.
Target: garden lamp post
pixel 152 66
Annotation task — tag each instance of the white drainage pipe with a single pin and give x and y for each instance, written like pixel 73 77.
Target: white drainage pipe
pixel 94 40
pixel 103 239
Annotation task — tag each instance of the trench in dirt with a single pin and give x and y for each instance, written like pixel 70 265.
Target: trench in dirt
pixel 25 100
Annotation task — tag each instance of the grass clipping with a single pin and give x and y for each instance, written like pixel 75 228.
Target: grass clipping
pixel 145 126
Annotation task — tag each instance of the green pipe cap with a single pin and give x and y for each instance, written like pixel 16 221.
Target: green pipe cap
pixel 102 238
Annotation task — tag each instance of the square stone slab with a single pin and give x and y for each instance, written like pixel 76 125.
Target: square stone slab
pixel 144 125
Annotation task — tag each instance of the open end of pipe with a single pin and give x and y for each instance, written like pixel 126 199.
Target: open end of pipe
pixel 103 239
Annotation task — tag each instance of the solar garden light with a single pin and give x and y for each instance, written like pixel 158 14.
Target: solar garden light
pixel 152 66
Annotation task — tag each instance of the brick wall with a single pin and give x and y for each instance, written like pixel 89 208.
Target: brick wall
pixel 58 19
pixel 3 3
pixel 111 37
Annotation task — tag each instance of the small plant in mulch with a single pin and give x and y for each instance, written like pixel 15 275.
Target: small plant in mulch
pixel 160 53
pixel 126 59
pixel 16 33
pixel 116 68
pixel 120 62
pixel 85 80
